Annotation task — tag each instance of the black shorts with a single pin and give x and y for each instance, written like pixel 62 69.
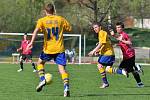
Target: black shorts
pixel 128 64
pixel 26 57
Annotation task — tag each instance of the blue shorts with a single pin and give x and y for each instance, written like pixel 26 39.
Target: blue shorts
pixel 106 60
pixel 59 58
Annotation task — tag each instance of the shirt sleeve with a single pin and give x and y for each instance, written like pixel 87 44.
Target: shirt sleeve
pixel 39 24
pixel 102 37
pixel 126 37
pixel 67 27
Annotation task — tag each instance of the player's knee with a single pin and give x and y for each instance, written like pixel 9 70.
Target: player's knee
pixel 108 69
pixel 21 62
pixel 100 68
pixel 61 69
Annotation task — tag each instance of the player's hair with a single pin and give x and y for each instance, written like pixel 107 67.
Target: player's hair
pixel 97 23
pixel 120 23
pixel 50 8
pixel 25 33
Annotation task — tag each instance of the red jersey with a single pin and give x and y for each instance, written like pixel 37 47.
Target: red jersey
pixel 24 44
pixel 127 50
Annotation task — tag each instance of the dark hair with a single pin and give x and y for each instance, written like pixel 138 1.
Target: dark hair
pixel 120 23
pixel 50 8
pixel 25 33
pixel 96 23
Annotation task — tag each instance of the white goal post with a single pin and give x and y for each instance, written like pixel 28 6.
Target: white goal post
pixel 71 35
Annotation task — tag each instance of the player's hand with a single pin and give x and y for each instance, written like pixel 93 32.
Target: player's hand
pixel 119 38
pixel 29 46
pixel 97 43
pixel 96 53
pixel 17 50
pixel 91 53
pixel 112 33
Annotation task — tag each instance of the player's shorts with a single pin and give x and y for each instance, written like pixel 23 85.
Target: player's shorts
pixel 106 60
pixel 128 64
pixel 59 58
pixel 26 56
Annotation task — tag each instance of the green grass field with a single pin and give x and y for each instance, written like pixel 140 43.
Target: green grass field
pixel 84 84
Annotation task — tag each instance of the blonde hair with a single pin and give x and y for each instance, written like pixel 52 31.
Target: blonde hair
pixel 50 8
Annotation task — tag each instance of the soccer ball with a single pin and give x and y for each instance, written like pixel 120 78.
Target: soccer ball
pixel 48 78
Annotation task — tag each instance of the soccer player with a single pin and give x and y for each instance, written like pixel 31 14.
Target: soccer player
pixel 106 51
pixel 25 54
pixel 128 62
pixel 52 26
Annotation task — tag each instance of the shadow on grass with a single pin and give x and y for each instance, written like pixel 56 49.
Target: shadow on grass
pixel 116 94
pixel 139 87
pixel 92 95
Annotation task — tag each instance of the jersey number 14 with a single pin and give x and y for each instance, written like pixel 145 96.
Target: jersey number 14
pixel 54 31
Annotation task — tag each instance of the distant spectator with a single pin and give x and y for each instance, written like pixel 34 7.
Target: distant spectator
pixel 70 55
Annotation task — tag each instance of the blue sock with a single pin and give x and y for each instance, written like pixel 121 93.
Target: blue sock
pixel 66 86
pixel 42 78
pixel 119 71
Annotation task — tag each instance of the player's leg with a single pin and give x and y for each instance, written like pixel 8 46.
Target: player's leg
pixel 40 69
pixel 104 61
pixel 138 79
pixel 101 70
pixel 41 73
pixel 136 75
pixel 120 70
pixel 139 68
pixel 22 58
pixel 60 60
pixel 65 77
pixel 29 57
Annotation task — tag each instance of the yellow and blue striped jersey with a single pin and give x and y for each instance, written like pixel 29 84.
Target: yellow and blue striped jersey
pixel 104 40
pixel 53 27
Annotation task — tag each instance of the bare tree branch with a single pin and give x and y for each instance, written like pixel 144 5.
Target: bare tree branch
pixel 105 13
pixel 85 4
pixel 91 1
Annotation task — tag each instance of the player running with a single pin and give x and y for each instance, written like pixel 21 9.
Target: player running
pixel 52 27
pixel 26 55
pixel 128 62
pixel 106 54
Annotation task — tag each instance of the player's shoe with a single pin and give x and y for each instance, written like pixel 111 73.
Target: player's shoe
pixel 19 70
pixel 104 86
pixel 34 71
pixel 140 85
pixel 125 73
pixel 139 68
pixel 41 85
pixel 66 91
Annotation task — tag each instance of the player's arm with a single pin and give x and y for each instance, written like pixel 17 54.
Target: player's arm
pixel 112 33
pixel 127 41
pixel 95 50
pixel 67 26
pixel 30 47
pixel 19 49
pixel 33 38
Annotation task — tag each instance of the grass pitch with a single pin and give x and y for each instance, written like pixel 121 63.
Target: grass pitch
pixel 84 84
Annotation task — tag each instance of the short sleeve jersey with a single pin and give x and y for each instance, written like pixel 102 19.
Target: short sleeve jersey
pixel 24 44
pixel 53 27
pixel 104 40
pixel 127 50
